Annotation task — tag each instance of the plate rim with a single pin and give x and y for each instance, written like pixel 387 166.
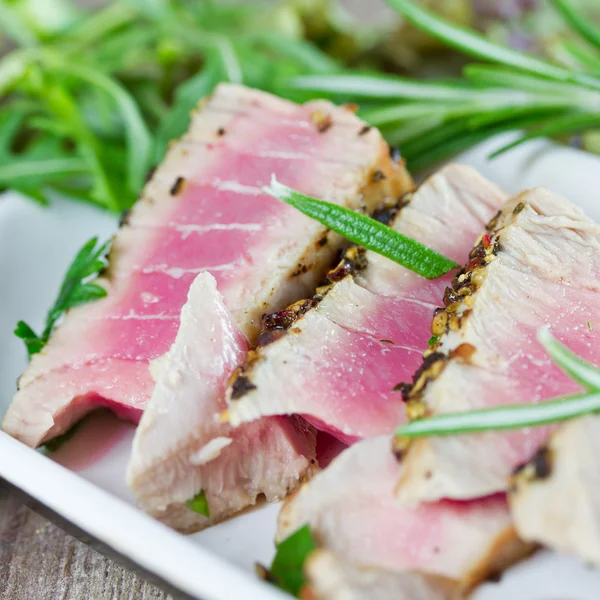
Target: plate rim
pixel 185 566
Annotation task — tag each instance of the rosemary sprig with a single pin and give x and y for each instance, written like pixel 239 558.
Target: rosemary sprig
pixel 476 45
pixel 513 91
pixel 75 290
pixel 578 22
pixel 517 416
pixel 367 232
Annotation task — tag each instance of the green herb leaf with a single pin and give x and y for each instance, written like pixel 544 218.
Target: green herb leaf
pixel 32 342
pixel 59 441
pixel 366 232
pixel 199 504
pixel 518 416
pixel 578 369
pixel 74 291
pixel 579 22
pixel 14 27
pixel 434 339
pixel 287 570
pixel 385 87
pixel 138 137
pixel 558 126
pixel 514 416
pixel 477 45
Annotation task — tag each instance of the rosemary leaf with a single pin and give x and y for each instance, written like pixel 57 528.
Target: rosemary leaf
pixel 475 44
pixel 367 232
pixel 514 416
pixel 559 126
pixel 579 22
pixel 578 369
pixel 518 416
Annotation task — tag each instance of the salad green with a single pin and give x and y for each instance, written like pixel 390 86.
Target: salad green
pixel 90 99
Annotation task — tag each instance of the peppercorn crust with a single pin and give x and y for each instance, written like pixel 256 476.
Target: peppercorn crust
pixel 535 265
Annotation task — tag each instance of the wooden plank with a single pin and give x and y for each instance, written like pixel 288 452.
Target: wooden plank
pixel 39 561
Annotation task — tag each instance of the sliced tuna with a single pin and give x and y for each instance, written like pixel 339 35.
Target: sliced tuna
pixel 336 358
pixel 538 265
pixel 204 210
pixel 555 499
pixel 366 539
pixel 180 448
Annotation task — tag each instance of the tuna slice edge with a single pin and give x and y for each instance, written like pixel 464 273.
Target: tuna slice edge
pixel 554 498
pixel 367 541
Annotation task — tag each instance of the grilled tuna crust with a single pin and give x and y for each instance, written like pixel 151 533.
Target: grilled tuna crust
pixel 262 463
pixel 421 479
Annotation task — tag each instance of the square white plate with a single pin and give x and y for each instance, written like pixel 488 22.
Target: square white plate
pixel 84 483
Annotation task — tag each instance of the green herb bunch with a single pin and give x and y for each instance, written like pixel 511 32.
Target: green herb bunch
pixel 509 91
pixel 91 99
pixel 77 288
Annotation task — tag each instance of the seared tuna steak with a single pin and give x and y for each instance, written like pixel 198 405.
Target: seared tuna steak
pixel 204 210
pixel 539 265
pixel 180 449
pixel 336 358
pixel 436 550
pixel 555 499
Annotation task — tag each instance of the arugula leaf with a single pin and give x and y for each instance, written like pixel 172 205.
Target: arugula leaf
pixel 199 504
pixel 366 232
pixel 138 136
pixel 32 341
pixel 287 569
pixel 177 119
pixel 74 291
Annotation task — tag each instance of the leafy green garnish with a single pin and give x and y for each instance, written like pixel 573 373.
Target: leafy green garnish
pixel 579 22
pixel 98 94
pixel 479 46
pixel 433 340
pixel 199 504
pixel 367 232
pixel 75 290
pixel 517 416
pixel 434 119
pixel 287 569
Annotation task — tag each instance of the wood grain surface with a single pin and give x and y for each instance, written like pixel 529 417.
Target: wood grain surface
pixel 39 561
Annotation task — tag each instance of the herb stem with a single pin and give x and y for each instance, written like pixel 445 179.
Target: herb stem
pixel 518 416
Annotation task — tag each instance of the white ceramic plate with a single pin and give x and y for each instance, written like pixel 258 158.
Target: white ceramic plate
pixel 87 486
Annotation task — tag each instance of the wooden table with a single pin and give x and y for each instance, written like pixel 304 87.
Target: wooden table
pixel 39 561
